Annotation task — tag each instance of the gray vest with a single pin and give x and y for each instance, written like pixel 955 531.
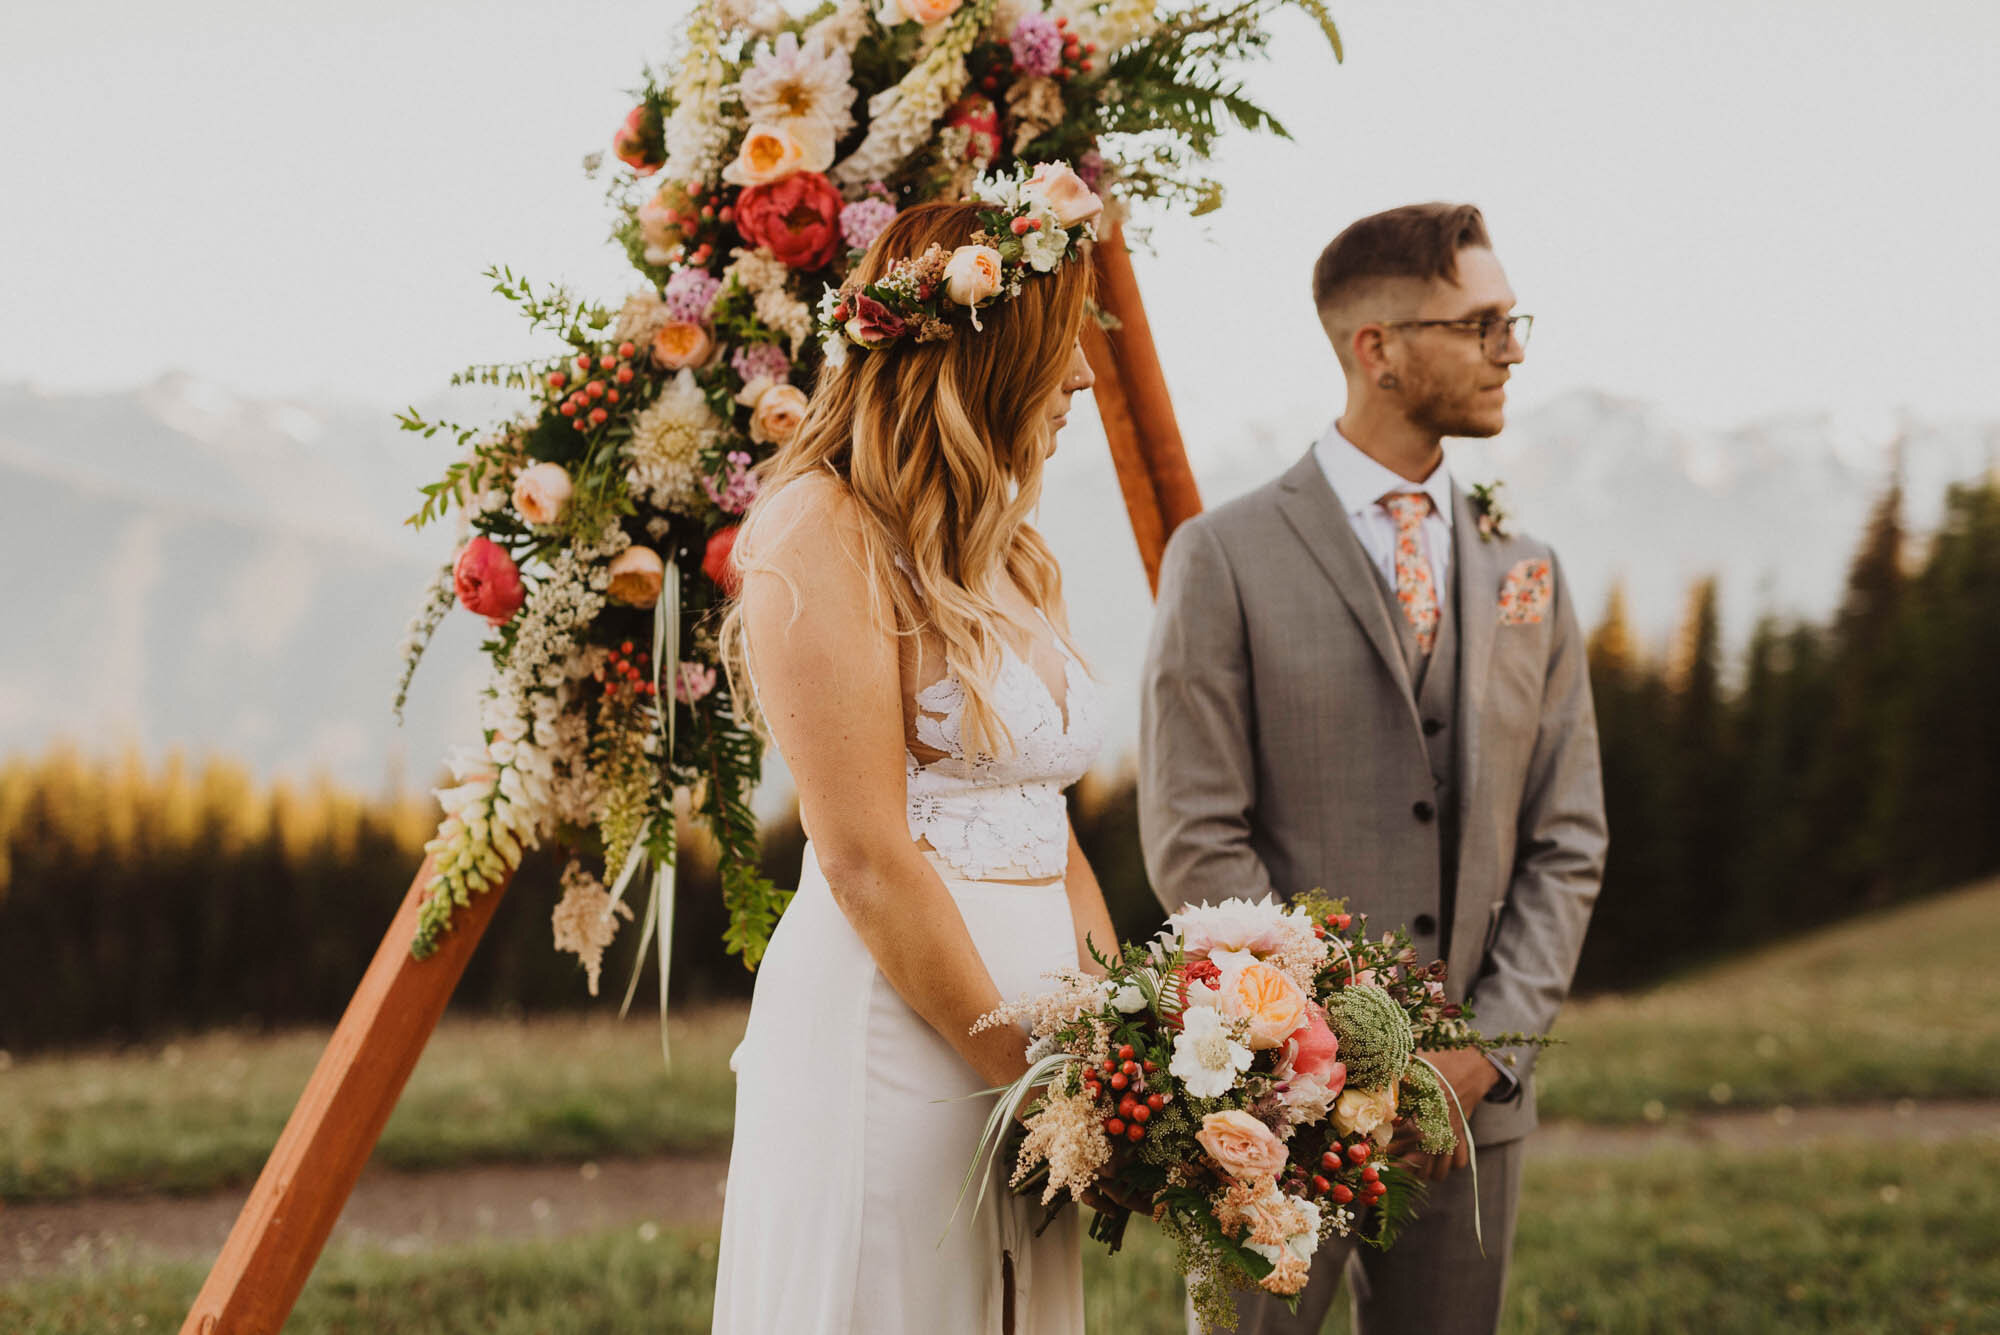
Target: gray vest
pixel 1436 678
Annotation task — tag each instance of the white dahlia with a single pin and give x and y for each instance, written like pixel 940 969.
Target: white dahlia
pixel 664 456
pixel 794 82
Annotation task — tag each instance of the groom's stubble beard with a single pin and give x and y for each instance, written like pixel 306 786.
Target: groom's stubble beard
pixel 1447 405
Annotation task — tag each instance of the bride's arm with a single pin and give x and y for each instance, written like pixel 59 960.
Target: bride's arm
pixel 1087 909
pixel 828 683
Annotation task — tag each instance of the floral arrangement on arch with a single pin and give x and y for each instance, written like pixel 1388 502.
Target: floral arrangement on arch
pixel 1240 1075
pixel 598 523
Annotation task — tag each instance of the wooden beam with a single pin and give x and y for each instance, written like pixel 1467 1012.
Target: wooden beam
pixel 334 1127
pixel 1153 473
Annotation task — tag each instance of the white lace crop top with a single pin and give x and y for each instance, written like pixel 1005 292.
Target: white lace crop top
pixel 1003 817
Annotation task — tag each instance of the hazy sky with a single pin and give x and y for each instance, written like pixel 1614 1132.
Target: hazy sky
pixel 1734 209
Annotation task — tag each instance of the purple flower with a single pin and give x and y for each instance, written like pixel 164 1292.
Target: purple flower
pixel 690 295
pixel 738 487
pixel 863 220
pixel 1090 167
pixel 767 360
pixel 1037 44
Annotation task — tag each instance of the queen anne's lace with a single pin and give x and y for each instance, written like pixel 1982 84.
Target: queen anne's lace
pixel 1003 816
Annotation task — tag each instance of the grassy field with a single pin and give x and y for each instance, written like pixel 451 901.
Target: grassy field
pixel 1880 1239
pixel 1903 1005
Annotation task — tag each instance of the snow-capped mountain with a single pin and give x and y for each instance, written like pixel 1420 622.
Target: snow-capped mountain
pixel 193 569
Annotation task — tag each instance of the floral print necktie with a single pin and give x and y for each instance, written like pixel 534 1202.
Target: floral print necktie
pixel 1415 589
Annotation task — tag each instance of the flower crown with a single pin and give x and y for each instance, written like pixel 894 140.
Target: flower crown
pixel 1031 224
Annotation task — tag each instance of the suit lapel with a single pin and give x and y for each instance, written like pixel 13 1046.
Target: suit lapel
pixel 1319 518
pixel 1477 563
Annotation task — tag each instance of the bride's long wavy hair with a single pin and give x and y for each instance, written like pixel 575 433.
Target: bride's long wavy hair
pixel 942 446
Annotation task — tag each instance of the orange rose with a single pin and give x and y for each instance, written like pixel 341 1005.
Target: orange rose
pixel 769 153
pixel 637 574
pixel 1241 1146
pixel 1268 999
pixel 777 414
pixel 681 344
pixel 972 274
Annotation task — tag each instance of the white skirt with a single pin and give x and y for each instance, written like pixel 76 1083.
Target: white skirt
pixel 849 1149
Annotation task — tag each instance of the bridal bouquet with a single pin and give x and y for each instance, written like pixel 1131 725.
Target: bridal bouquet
pixel 1242 1072
pixel 596 525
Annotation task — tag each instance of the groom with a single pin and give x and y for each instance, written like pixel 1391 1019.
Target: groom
pixel 1360 679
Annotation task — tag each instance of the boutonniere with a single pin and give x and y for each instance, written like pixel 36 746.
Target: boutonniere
pixel 1492 516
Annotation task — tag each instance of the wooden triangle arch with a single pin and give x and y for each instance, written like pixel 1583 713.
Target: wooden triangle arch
pixel 333 1130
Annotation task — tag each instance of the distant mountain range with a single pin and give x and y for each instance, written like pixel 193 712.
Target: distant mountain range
pixel 201 571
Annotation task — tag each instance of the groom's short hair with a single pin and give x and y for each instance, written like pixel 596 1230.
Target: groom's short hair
pixel 1414 241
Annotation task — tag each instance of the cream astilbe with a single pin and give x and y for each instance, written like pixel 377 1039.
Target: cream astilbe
pixel 777 309
pixel 586 920
pixel 900 117
pixel 668 439
pixel 643 315
pixel 1067 1133
pixel 1077 994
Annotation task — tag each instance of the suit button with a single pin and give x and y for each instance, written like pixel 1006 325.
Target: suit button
pixel 1423 811
pixel 1432 727
pixel 1425 924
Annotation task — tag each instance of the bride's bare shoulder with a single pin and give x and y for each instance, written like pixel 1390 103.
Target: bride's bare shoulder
pixel 804 516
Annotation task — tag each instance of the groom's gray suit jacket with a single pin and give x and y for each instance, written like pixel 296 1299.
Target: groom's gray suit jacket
pixel 1292 738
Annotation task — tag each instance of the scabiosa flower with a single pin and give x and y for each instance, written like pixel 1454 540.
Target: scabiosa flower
pixel 1207 1057
pixel 760 361
pixel 690 296
pixel 863 220
pixel 1037 45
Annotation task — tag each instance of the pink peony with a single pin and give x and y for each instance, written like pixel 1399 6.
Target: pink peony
pixel 1313 1046
pixel 796 219
pixel 488 581
pixel 693 682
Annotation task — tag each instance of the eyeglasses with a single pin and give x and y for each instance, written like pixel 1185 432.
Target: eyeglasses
pixel 1495 331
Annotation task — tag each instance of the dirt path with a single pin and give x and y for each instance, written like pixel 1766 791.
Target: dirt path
pixel 408 1212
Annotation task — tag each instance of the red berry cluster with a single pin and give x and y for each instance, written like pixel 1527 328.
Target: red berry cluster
pixel 597 383
pixel 1338 922
pixel 1345 1177
pixel 625 675
pixel 698 218
pixel 1125 1076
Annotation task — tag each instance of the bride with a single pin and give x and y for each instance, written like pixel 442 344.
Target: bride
pixel 904 629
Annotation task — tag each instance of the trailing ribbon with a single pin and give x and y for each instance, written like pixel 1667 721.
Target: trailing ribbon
pixel 659 921
pixel 1011 1098
pixel 1471 1151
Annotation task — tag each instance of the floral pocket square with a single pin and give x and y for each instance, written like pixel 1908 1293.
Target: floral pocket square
pixel 1524 594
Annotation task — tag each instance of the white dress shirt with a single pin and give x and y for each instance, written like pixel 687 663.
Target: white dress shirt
pixel 1361 483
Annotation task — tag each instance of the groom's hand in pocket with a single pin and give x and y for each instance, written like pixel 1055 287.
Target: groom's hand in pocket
pixel 1471 1076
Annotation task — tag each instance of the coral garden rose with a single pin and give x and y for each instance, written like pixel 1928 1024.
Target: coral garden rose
pixel 637 144
pixel 716 561
pixel 1272 1003
pixel 1065 194
pixel 972 274
pixel 769 153
pixel 1366 1112
pixel 487 580
pixel 541 493
pixel 680 344
pixel 777 415
pixel 637 573
pixel 1241 1146
pixel 796 219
